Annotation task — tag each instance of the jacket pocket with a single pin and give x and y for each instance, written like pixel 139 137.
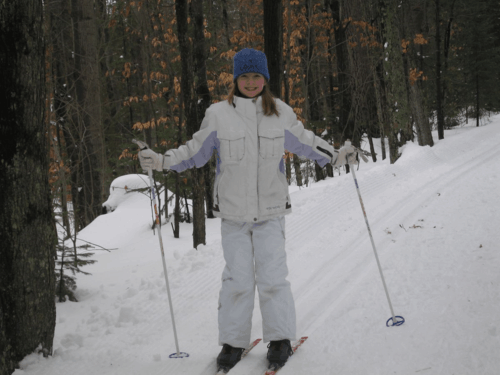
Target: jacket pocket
pixel 232 144
pixel 231 191
pixel 271 143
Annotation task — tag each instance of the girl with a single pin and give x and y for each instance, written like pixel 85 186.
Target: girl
pixel 249 132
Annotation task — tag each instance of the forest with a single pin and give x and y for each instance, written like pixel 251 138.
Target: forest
pixel 118 70
pixel 82 78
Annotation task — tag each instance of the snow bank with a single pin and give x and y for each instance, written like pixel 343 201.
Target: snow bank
pixel 122 187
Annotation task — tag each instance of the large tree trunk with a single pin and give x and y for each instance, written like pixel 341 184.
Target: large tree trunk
pixel 27 229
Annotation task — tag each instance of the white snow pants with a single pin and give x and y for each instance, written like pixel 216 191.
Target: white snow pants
pixel 255 255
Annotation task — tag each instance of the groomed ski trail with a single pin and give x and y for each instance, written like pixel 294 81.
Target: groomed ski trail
pixel 332 297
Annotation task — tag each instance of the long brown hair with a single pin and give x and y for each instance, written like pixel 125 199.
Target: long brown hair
pixel 268 101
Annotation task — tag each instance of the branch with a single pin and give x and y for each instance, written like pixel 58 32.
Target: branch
pixel 96 245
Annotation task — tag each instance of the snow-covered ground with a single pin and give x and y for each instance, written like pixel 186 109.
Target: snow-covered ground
pixel 436 223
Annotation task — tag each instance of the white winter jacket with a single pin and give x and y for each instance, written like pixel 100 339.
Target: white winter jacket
pixel 250 183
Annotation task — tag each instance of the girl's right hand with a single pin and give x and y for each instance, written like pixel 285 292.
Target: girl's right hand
pixel 148 158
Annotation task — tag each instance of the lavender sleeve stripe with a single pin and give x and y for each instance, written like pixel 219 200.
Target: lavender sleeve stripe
pixel 203 155
pixel 293 145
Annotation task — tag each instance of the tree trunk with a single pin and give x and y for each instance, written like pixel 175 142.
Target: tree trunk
pixel 209 170
pixel 422 124
pixel 295 158
pixel 381 104
pixel 58 86
pixel 203 101
pixel 478 108
pixel 439 102
pixel 177 208
pixel 415 14
pixel 273 43
pixel 346 125
pixel 298 170
pixel 372 148
pixel 27 235
pixel 90 189
pixel 190 101
pixel 334 127
pixel 397 95
pixel 226 22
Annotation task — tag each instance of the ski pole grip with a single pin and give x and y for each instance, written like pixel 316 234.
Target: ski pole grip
pixel 142 145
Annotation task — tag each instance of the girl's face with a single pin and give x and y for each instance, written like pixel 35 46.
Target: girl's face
pixel 251 84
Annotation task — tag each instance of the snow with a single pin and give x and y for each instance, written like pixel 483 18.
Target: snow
pixel 435 221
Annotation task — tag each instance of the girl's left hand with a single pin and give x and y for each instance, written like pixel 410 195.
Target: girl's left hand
pixel 346 155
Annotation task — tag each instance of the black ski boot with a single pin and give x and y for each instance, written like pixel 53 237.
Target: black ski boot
pixel 228 357
pixel 278 353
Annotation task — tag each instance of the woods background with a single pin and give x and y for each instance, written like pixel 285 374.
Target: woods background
pixel 355 69
pixel 114 70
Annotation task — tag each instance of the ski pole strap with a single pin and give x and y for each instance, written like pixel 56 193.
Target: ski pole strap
pixel 360 153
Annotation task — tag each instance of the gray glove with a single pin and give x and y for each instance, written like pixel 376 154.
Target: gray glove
pixel 148 158
pixel 346 155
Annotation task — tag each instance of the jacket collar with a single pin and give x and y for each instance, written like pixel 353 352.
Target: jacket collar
pixel 248 107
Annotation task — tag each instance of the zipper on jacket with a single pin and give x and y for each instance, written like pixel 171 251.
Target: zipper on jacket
pixel 258 153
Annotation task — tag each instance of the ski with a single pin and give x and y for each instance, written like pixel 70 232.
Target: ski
pixel 243 355
pixel 295 346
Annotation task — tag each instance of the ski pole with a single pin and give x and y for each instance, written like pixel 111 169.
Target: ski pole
pixel 178 354
pixel 394 318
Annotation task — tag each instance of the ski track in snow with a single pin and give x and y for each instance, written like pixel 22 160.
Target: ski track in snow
pixel 440 266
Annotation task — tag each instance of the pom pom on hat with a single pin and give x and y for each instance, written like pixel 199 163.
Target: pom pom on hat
pixel 249 60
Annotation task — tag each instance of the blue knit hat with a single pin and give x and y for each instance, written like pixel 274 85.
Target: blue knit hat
pixel 249 60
